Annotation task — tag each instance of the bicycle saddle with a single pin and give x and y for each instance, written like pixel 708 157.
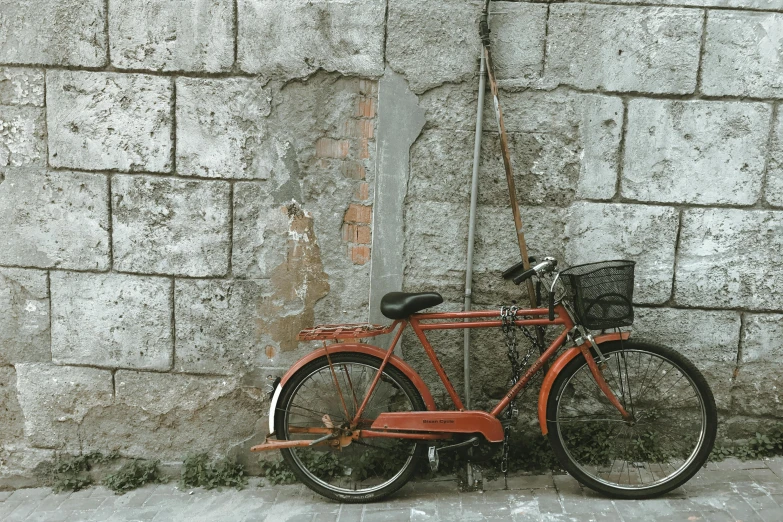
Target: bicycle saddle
pixel 399 305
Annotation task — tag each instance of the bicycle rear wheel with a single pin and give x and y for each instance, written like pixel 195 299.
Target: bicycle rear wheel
pixel 367 469
pixel 670 437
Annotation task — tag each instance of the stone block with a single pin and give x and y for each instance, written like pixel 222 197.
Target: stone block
pixel 21 86
pixel 433 255
pixel 431 43
pixel 170 226
pixel 741 55
pixel 12 427
pixel 24 316
pixel 54 219
pixel 719 257
pixel 518 37
pixel 566 147
pixel 185 35
pixel 759 380
pixel 55 400
pixel 222 129
pixel 173 415
pixel 737 4
pixel 100 120
pixel 645 234
pixel 762 339
pixel 710 340
pixel 774 189
pixel 219 326
pixel 292 39
pixel 22 136
pixel 701 152
pixel 625 49
pixel 53 32
pixel 111 320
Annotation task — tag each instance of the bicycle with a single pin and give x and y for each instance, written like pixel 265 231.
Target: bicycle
pixel 627 418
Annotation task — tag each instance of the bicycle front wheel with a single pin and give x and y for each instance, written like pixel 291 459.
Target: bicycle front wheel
pixel 671 433
pixel 321 398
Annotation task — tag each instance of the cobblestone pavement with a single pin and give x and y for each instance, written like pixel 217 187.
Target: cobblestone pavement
pixel 728 491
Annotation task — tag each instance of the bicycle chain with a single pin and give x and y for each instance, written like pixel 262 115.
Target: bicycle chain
pixel 507 316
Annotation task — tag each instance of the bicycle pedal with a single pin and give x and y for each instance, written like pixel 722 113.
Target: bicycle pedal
pixel 433 457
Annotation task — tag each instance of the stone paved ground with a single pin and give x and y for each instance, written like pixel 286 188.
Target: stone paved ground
pixel 728 491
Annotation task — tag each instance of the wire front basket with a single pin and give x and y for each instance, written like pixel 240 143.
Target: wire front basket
pixel 601 293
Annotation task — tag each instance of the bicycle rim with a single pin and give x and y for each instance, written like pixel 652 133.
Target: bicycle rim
pixel 366 466
pixel 658 447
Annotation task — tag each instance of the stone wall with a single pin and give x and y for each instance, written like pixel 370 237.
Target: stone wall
pixel 184 185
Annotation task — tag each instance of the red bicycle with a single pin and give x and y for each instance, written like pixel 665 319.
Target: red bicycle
pixel 627 418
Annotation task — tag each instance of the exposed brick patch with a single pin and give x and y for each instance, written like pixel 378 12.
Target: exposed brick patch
pixel 358 214
pixel 356 233
pixel 331 148
pixel 362 192
pixel 360 254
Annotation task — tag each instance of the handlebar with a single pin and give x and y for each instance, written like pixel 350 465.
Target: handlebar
pixel 518 274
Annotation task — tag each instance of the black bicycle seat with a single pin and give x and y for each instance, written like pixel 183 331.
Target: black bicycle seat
pixel 399 305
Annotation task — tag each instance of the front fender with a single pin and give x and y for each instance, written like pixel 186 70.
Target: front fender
pixel 367 349
pixel 557 367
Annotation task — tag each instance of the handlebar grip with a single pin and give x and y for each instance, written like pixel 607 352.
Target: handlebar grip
pixel 551 306
pixel 524 276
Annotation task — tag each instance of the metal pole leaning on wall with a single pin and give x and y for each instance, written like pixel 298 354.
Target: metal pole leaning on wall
pixel 512 191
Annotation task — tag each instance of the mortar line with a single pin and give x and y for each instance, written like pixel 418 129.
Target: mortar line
pixel 618 185
pixel 172 304
pixel 45 123
pixel 677 241
pixel 677 6
pixel 166 175
pixel 702 48
pixel 385 32
pixel 762 201
pixel 230 269
pixel 126 272
pixel 113 385
pixel 49 295
pixel 173 125
pixel 108 43
pixel 111 222
pixel 532 89
pixel 235 7
pixel 737 364
pixel 546 40
pixel 152 370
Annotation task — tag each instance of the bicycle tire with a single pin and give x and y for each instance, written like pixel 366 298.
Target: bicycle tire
pixel 349 463
pixel 587 433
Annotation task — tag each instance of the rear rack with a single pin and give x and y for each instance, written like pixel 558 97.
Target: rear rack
pixel 324 332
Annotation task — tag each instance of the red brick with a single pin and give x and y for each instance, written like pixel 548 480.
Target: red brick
pixel 362 192
pixel 368 87
pixel 359 234
pixel 358 214
pixel 360 254
pixel 364 152
pixel 331 148
pixel 354 170
pixel 356 128
pixel 366 107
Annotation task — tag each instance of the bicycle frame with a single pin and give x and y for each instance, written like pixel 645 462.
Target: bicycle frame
pixel 435 424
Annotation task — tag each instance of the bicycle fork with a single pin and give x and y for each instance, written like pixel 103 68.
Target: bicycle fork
pixel 596 370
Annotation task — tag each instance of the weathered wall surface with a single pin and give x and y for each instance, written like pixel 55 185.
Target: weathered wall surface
pixel 183 186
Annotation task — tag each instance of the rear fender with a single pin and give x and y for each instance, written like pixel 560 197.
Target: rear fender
pixel 367 349
pixel 557 367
